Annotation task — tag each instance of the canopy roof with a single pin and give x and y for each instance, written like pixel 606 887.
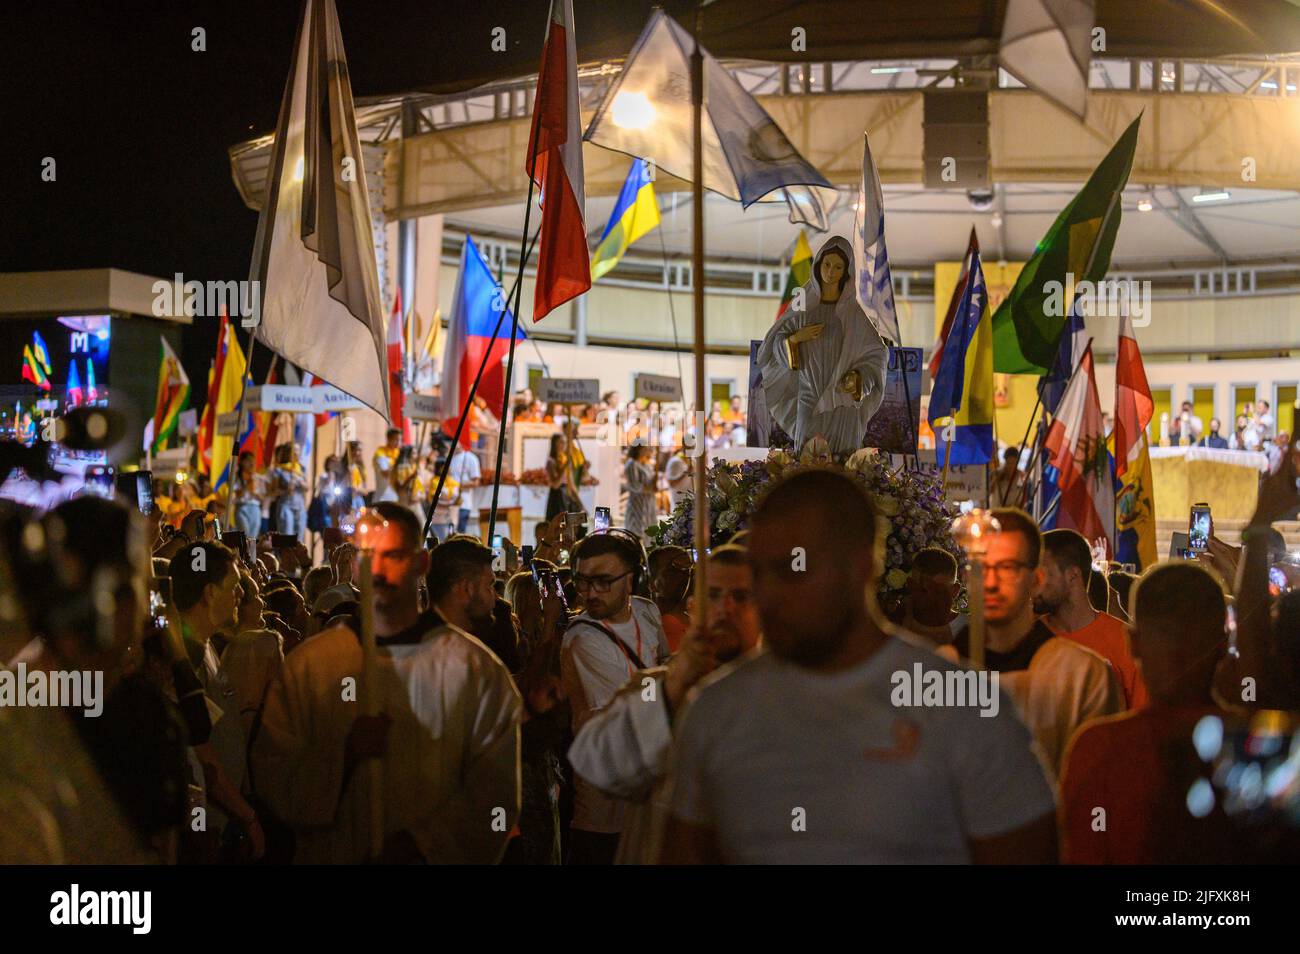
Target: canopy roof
pixel 873 29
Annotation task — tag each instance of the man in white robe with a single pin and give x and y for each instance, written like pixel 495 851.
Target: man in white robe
pixel 623 749
pixel 447 737
pixel 837 379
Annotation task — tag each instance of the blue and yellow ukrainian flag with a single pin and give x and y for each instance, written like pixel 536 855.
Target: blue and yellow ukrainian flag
pixel 964 381
pixel 635 213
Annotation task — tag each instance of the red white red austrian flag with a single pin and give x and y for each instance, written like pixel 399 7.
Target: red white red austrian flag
pixel 555 162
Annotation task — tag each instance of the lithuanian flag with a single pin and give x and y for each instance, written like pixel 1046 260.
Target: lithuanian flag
pixel 635 213
pixel 800 271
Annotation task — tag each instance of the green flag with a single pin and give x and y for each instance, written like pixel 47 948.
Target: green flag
pixel 1027 325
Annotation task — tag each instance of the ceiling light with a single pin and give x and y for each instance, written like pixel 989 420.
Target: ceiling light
pixel 1213 195
pixel 632 111
pixel 1144 205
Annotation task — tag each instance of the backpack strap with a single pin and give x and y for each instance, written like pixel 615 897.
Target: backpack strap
pixel 632 657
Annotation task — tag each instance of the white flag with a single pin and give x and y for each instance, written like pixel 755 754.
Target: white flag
pixel 875 285
pixel 647 113
pixel 315 254
pixel 1047 45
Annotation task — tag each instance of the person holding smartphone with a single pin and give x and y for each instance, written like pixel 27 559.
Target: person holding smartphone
pixel 249 490
pixel 467 473
pixel 290 483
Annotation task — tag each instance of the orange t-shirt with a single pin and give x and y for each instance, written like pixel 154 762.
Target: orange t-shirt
pixel 1107 637
pixel 1138 768
pixel 674 630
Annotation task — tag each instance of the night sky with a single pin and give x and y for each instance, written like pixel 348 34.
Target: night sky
pixel 139 124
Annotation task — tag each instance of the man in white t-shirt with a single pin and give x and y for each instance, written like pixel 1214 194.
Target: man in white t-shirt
pixel 806 754
pixel 615 636
pixel 467 473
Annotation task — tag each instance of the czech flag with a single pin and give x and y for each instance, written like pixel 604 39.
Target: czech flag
pixel 635 213
pixel 476 308
pixel 555 164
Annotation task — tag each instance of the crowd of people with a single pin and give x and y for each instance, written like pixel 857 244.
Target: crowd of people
pixel 1255 429
pixel 280 498
pixel 574 705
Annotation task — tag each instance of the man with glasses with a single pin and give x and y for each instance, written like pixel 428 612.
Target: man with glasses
pixel 447 735
pixel 1056 684
pixel 623 749
pixel 614 636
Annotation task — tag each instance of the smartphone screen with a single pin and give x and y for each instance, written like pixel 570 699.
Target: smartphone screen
pixel 137 487
pixel 602 519
pixel 1199 527
pixel 237 540
pixel 160 592
pixel 283 541
pixel 100 481
pixel 526 556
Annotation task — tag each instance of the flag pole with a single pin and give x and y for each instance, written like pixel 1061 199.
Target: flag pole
pixel 949 429
pixel 701 502
pixel 514 332
pixel 473 389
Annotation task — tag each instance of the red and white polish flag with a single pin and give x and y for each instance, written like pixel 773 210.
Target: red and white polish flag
pixel 395 357
pixel 555 163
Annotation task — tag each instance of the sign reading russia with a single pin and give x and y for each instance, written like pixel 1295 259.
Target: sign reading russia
pixel 280 397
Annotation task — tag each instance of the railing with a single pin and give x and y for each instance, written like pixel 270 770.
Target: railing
pixel 911 282
pixel 379 118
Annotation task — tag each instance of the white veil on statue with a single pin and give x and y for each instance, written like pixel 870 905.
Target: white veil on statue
pixel 808 401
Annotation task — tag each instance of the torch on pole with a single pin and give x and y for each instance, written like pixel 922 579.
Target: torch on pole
pixel 972 530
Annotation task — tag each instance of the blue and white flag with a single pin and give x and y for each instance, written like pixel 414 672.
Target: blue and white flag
pixel 875 287
pixel 647 113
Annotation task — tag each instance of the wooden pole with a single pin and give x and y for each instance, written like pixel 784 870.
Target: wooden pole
pixel 975 587
pixel 948 430
pixel 700 613
pixel 374 773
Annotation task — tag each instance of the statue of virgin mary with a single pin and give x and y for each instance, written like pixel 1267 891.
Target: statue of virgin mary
pixel 823 362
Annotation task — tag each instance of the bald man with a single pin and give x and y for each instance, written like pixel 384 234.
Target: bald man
pixel 804 753
pixel 1126 778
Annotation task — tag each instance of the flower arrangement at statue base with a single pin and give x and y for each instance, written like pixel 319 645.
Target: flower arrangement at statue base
pixel 910 502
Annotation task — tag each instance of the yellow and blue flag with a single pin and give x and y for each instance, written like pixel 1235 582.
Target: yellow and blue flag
pixel 963 385
pixel 635 213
